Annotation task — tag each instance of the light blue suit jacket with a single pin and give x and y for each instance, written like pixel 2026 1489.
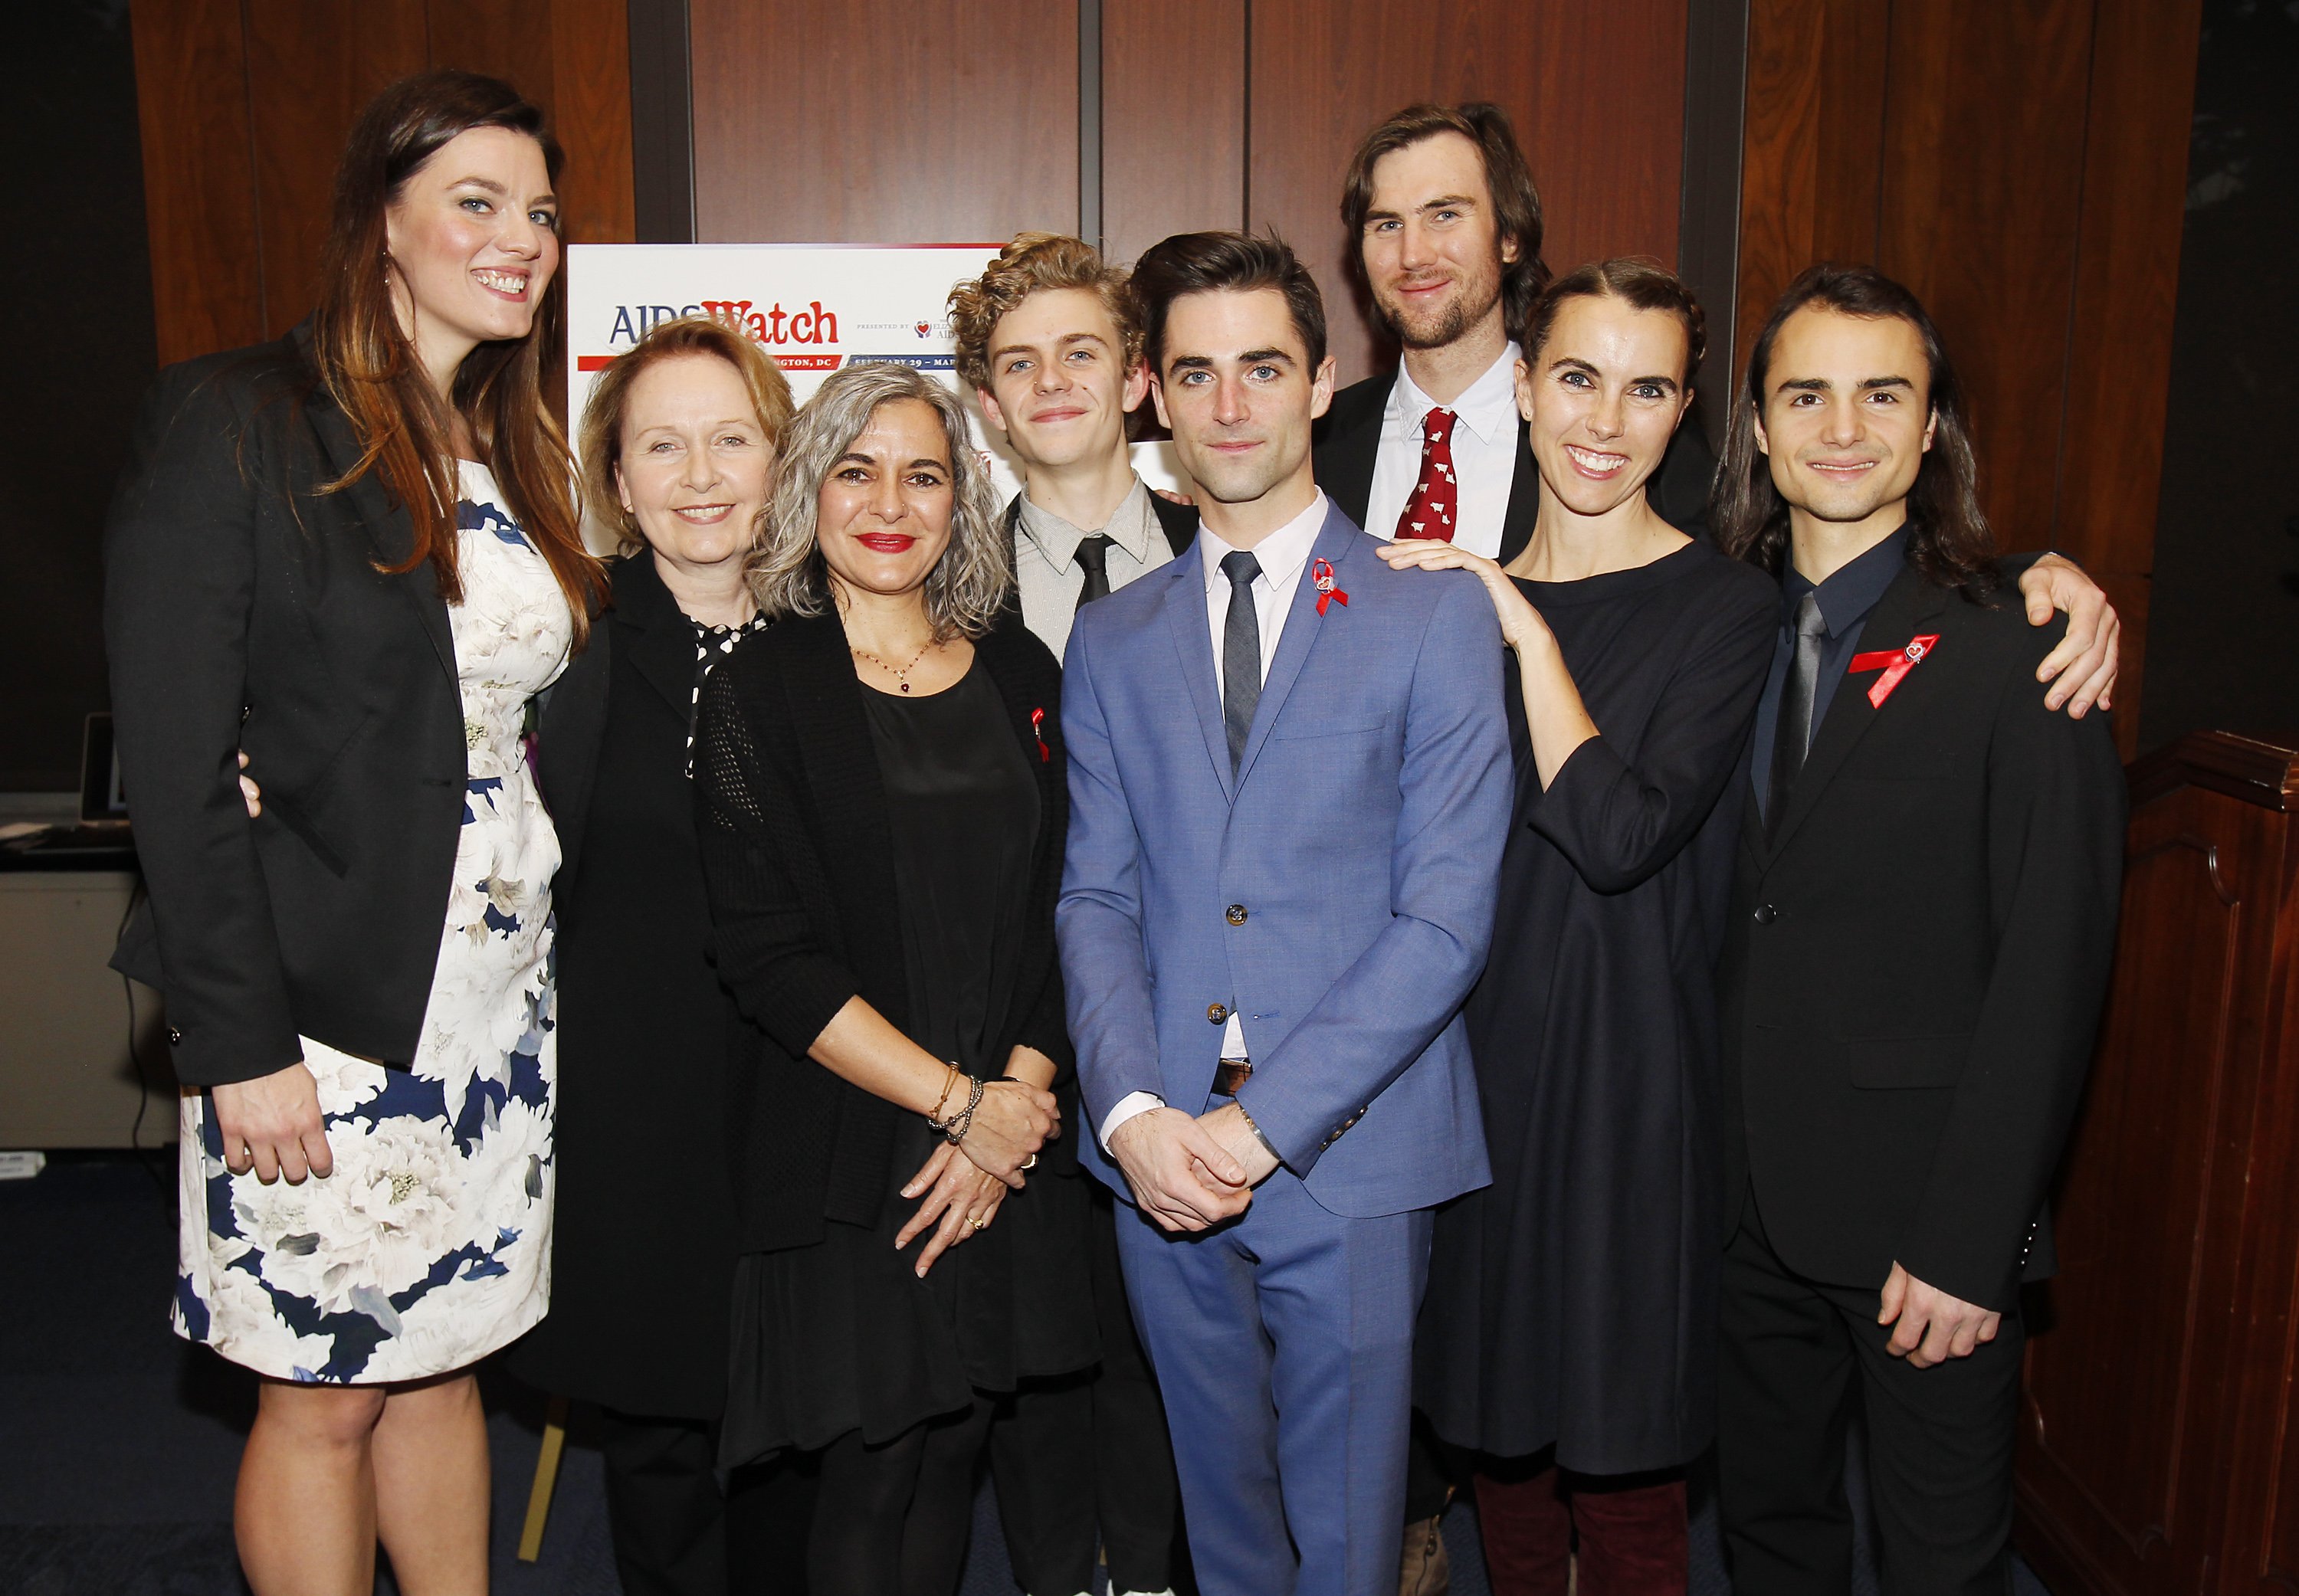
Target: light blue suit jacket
pixel 1361 836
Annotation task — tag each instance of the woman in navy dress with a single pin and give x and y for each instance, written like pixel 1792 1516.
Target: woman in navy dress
pixel 1567 1337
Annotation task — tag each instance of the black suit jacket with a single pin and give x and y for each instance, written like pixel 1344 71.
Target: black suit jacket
pixel 798 856
pixel 1347 438
pixel 1914 963
pixel 244 609
pixel 643 1029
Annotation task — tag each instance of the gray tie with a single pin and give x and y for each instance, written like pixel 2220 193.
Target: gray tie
pixel 1793 736
pixel 1240 653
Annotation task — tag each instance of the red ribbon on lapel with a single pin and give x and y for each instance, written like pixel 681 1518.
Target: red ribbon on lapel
pixel 1038 731
pixel 1321 577
pixel 1895 663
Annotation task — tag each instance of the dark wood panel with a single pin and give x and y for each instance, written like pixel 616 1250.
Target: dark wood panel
pixel 2263 1516
pixel 1984 172
pixel 310 69
pixel 199 183
pixel 1173 119
pixel 2110 1391
pixel 1597 93
pixel 2127 278
pixel 510 39
pixel 2156 1458
pixel 591 109
pixel 1811 171
pixel 881 122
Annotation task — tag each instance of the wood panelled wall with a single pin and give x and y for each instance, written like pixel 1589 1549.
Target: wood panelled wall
pixel 2021 166
pixel 245 105
pixel 876 121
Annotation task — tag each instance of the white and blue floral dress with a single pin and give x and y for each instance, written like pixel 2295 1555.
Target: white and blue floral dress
pixel 430 1247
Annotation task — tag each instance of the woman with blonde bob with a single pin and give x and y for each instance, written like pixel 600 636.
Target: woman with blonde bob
pixel 678 443
pixel 881 800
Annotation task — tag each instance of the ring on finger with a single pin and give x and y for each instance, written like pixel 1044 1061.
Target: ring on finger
pixel 1030 1162
pixel 979 1224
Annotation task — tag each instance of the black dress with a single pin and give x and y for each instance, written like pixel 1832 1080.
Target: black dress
pixel 1573 1300
pixel 642 1245
pixel 841 1334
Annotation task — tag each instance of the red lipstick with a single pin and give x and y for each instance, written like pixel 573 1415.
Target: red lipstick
pixel 887 543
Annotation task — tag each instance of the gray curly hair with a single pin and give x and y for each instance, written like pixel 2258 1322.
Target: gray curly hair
pixel 968 586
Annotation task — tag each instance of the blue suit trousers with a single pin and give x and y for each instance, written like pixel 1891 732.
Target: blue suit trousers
pixel 1288 1330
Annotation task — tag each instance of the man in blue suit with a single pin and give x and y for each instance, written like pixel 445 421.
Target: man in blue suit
pixel 1289 783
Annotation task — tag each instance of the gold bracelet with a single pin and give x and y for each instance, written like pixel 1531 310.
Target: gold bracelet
pixel 949 1085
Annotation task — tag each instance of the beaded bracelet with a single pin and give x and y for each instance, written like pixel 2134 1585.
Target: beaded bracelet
pixel 954 1129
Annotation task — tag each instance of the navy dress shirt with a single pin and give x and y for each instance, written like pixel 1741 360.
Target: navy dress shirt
pixel 1845 598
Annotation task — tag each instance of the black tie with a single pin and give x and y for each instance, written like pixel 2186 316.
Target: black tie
pixel 1793 734
pixel 1240 653
pixel 1093 554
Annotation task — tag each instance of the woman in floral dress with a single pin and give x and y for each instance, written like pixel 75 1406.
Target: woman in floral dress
pixel 352 556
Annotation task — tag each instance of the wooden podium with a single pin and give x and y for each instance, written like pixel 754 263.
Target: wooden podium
pixel 2158 1447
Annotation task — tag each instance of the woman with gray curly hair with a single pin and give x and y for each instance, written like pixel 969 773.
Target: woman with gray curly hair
pixel 880 799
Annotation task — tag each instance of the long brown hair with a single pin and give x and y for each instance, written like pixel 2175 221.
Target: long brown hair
pixel 1949 540
pixel 1516 203
pixel 369 368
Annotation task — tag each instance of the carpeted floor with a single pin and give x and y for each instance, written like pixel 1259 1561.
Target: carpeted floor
pixel 119 1443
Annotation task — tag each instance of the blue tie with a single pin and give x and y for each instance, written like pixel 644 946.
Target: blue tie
pixel 1241 654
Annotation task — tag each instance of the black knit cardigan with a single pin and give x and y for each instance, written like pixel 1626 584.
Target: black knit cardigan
pixel 798 857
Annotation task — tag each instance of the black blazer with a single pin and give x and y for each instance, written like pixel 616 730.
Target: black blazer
pixel 798 857
pixel 643 1029
pixel 1348 439
pixel 1913 965
pixel 242 609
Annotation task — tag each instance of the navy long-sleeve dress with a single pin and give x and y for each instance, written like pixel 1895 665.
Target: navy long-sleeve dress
pixel 1573 1302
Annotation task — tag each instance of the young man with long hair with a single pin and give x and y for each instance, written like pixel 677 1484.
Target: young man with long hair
pixel 1920 930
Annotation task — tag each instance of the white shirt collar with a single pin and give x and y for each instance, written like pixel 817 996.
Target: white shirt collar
pixel 1487 406
pixel 1280 554
pixel 1057 540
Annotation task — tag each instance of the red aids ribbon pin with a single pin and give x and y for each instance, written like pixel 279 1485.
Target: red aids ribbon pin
pixel 1895 663
pixel 1321 577
pixel 1038 731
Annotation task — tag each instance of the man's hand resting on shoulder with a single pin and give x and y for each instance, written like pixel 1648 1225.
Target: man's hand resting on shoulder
pixel 1933 1326
pixel 1181 1176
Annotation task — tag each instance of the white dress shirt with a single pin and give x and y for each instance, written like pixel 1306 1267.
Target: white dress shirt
pixel 1484 455
pixel 1285 555
pixel 1045 560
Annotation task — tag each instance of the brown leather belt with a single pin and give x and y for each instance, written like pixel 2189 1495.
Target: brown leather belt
pixel 1229 1075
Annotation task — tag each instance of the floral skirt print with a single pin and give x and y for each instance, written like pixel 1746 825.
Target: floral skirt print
pixel 429 1245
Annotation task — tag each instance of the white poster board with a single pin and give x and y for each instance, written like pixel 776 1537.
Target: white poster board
pixel 815 308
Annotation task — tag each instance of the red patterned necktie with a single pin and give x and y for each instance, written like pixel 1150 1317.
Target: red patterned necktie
pixel 1436 497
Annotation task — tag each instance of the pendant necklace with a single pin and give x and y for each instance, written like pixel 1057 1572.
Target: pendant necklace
pixel 900 674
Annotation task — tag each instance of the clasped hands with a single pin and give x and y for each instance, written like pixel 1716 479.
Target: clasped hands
pixel 1192 1174
pixel 965 1183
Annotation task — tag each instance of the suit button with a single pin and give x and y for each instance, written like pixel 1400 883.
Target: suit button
pixel 1766 914
pixel 1215 1013
pixel 175 1036
pixel 1237 914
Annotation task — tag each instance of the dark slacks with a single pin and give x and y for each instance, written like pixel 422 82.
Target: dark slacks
pixel 1084 1459
pixel 1797 1356
pixel 893 1519
pixel 676 1534
pixel 664 1508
